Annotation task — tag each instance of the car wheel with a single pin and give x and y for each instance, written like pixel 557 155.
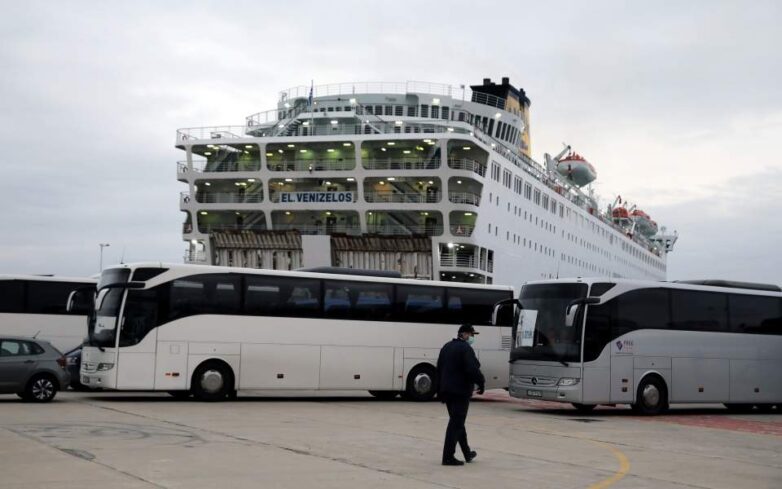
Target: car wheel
pixel 652 396
pixel 41 388
pixel 421 384
pixel 584 408
pixel 384 395
pixel 212 381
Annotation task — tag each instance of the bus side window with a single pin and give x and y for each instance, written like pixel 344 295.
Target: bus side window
pixel 755 314
pixel 475 306
pixel 415 303
pixel 640 309
pixel 693 310
pixel 11 296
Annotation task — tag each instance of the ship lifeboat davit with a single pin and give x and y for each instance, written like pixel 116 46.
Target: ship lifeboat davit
pixel 576 169
pixel 644 223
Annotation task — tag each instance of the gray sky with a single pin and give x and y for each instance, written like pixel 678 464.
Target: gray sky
pixel 677 104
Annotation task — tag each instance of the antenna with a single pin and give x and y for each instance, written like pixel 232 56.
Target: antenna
pixel 122 258
pixel 35 336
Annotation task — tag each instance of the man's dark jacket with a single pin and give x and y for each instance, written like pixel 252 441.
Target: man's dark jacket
pixel 458 370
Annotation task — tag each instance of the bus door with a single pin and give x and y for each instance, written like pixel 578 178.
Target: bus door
pixel 137 341
pixel 622 386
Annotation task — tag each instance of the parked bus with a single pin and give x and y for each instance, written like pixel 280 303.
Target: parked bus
pixel 32 305
pixel 648 344
pixel 212 331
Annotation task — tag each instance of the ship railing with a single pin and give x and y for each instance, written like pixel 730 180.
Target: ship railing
pixel 267 117
pixel 462 229
pixel 312 165
pixel 400 164
pixel 488 99
pixel 403 230
pixel 454 260
pixel 353 88
pixel 224 166
pixel 403 197
pixel 211 133
pixel 221 227
pixel 229 198
pixel 275 196
pixel 470 198
pixel 467 164
pixel 315 229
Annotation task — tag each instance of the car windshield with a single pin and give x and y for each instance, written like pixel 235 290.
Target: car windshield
pixel 542 333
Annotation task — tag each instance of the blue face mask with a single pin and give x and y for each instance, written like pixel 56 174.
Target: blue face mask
pixel 471 340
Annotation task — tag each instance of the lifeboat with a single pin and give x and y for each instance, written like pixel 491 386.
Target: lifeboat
pixel 620 213
pixel 576 169
pixel 644 223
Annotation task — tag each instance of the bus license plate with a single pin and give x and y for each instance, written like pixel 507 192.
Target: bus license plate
pixel 534 394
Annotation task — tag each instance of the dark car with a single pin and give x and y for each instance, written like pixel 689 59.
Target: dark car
pixel 31 368
pixel 73 364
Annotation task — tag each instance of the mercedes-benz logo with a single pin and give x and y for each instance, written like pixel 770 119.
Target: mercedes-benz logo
pixel 534 381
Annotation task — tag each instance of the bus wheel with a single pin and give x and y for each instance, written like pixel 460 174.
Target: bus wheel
pixel 421 384
pixel 212 381
pixel 652 396
pixel 584 408
pixel 384 395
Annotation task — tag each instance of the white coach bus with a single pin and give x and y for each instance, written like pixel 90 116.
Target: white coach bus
pixel 33 305
pixel 210 331
pixel 648 344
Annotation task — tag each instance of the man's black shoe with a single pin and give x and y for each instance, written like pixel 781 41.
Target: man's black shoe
pixel 452 461
pixel 470 456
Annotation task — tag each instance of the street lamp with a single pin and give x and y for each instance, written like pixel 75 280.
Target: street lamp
pixel 102 245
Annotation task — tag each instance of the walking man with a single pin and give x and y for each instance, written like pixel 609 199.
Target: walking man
pixel 458 373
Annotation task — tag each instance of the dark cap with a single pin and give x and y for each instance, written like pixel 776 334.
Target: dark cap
pixel 467 328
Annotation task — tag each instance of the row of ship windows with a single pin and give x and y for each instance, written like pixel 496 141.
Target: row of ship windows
pixel 535 195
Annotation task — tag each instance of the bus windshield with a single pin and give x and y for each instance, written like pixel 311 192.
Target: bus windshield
pixel 103 321
pixel 542 333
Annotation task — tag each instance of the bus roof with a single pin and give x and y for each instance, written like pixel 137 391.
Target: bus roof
pixel 49 278
pixel 707 285
pixel 186 269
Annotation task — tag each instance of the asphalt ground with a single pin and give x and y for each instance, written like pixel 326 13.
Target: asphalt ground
pixel 339 440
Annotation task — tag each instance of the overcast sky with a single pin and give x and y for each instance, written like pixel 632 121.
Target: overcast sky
pixel 677 104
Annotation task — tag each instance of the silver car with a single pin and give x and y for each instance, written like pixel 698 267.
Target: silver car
pixel 31 368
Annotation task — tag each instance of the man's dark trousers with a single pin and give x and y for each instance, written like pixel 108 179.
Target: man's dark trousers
pixel 456 432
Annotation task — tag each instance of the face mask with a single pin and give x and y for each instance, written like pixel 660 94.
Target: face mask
pixel 471 340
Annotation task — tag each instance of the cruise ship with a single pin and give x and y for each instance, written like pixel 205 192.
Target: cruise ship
pixel 430 180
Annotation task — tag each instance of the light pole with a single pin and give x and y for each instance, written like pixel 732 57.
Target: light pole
pixel 102 245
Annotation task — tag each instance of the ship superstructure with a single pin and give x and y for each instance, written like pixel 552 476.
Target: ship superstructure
pixel 430 180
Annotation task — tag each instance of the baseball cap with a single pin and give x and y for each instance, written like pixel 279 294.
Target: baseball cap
pixel 467 328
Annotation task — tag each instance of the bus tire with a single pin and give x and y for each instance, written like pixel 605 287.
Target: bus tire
pixel 584 408
pixel 421 384
pixel 212 381
pixel 384 395
pixel 41 388
pixel 652 396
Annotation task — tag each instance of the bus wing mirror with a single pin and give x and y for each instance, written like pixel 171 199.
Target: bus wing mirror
pixel 495 313
pixel 69 306
pixel 101 297
pixel 572 309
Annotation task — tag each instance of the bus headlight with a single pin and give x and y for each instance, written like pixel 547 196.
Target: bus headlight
pixel 102 367
pixel 568 381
